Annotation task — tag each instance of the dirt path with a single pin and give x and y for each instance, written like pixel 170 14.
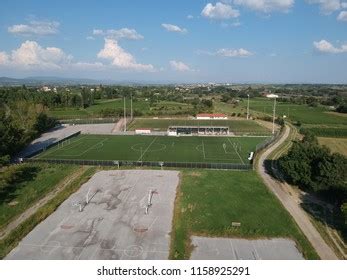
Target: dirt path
pixel 282 192
pixel 30 211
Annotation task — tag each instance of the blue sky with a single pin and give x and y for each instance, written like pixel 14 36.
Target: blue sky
pixel 276 41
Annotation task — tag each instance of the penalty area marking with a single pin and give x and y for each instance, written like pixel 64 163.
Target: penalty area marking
pixel 232 160
pixel 60 147
pixel 203 149
pixel 92 147
pixel 236 152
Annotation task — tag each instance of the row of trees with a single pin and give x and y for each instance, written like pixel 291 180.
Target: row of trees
pixel 19 124
pixel 315 169
pixel 75 97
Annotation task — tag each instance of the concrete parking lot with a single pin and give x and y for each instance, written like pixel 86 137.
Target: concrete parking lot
pixel 113 225
pixel 206 248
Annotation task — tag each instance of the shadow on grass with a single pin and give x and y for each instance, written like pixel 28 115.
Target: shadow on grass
pixel 271 168
pixel 325 213
pixel 322 210
pixel 11 180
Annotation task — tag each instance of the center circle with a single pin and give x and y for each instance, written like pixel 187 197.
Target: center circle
pixel 199 148
pixel 133 251
pixel 155 147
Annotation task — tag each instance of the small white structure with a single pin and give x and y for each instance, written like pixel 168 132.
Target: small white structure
pixel 211 117
pixel 143 131
pixel 46 89
pixel 271 95
pixel 251 154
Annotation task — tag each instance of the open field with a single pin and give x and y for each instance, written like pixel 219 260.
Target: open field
pixel 37 180
pixel 140 106
pixel 303 113
pixel 96 109
pixel 209 201
pixel 332 131
pixel 336 145
pixel 156 148
pixel 113 225
pixel 238 127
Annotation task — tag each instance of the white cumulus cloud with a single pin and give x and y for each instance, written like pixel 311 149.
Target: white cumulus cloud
pixel 219 11
pixel 342 16
pixel 179 66
pixel 324 46
pixel 266 6
pixel 173 28
pixel 234 52
pixel 120 58
pixel 327 6
pixel 4 58
pixel 35 28
pixel 30 55
pixel 123 33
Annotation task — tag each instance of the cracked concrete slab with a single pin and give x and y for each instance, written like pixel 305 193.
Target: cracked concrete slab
pixel 211 248
pixel 113 225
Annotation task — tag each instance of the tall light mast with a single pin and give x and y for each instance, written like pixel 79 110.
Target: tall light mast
pixel 247 106
pixel 131 106
pixel 273 96
pixel 273 117
pixel 125 117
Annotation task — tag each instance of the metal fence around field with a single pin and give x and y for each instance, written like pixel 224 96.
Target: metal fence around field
pixel 38 151
pixel 267 142
pixel 120 163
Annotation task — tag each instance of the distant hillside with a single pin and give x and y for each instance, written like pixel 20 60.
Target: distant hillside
pixel 37 81
pixel 59 81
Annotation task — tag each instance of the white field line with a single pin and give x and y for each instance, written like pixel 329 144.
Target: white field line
pixel 236 152
pixel 61 147
pixel 100 142
pixel 141 156
pixel 72 145
pixel 225 150
pixel 203 149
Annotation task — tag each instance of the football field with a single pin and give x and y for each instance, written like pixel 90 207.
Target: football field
pixel 155 148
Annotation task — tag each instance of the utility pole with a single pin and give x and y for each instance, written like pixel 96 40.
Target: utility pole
pixel 125 117
pixel 273 117
pixel 131 107
pixel 247 106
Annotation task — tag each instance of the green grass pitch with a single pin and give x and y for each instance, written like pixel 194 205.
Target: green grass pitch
pixel 156 148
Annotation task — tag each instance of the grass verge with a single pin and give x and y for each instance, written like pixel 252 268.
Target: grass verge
pixel 12 240
pixel 34 182
pixel 208 202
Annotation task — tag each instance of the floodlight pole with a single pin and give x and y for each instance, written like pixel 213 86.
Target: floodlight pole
pixel 131 107
pixel 125 117
pixel 273 117
pixel 247 106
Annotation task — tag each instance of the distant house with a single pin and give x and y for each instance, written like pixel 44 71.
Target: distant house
pixel 211 117
pixel 46 89
pixel 271 95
